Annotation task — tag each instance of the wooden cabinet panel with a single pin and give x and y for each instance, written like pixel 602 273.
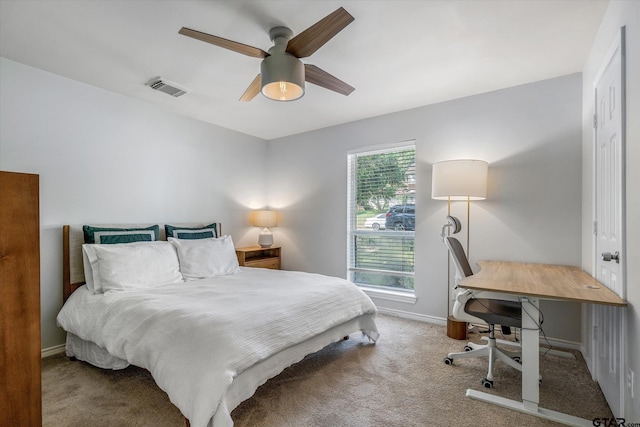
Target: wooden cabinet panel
pixel 256 256
pixel 20 383
pixel 273 263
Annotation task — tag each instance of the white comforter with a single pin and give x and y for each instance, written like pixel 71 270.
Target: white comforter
pixel 195 337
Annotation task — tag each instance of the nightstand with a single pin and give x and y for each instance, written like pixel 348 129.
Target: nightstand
pixel 256 256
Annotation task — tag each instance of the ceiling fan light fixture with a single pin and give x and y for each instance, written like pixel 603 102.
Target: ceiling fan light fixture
pixel 282 77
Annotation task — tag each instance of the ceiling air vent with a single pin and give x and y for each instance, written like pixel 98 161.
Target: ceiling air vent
pixel 158 83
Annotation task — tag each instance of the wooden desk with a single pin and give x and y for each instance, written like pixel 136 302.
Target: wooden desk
pixel 547 281
pixel 533 282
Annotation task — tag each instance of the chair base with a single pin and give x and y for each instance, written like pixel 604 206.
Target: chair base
pixel 492 352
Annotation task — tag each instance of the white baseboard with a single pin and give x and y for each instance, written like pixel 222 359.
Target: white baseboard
pixel 413 316
pixel 52 351
pixel 558 343
pixel 589 363
pixel 554 342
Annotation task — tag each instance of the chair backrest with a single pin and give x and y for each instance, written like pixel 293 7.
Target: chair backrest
pixel 463 269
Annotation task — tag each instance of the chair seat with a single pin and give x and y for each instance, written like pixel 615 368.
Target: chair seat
pixel 496 312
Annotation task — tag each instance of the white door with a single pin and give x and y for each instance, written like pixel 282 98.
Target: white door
pixel 609 227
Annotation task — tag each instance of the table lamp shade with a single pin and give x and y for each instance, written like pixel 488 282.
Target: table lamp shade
pixel 459 180
pixel 264 219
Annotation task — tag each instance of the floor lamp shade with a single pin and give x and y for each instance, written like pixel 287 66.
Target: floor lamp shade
pixel 265 219
pixel 459 180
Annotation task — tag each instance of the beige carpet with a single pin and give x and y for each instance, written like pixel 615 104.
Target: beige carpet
pixel 400 381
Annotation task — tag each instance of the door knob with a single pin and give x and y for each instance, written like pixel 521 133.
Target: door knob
pixel 607 256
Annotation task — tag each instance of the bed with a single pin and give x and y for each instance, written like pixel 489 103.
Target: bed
pixel 210 339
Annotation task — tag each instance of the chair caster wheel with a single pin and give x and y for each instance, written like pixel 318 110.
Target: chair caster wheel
pixel 487 383
pixel 467 348
pixel 517 359
pixel 448 361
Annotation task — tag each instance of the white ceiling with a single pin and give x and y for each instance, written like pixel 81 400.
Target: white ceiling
pixel 397 54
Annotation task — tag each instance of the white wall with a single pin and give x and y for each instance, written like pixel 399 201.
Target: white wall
pixel 531 137
pixel 619 13
pixel 105 158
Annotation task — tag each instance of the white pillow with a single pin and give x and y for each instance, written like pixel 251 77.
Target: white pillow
pixel 140 265
pixel 90 262
pixel 206 257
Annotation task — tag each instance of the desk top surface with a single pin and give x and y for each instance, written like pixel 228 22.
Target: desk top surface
pixel 548 281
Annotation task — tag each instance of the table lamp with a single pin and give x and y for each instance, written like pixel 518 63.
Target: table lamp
pixel 265 219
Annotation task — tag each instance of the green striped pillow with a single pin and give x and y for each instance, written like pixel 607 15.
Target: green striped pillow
pixel 111 235
pixel 205 232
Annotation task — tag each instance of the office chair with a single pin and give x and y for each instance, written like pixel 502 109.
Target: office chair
pixel 483 307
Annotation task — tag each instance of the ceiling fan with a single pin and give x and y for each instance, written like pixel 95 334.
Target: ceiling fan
pixel 282 74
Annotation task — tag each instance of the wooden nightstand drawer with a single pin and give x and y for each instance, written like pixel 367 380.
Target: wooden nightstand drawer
pixel 256 256
pixel 273 263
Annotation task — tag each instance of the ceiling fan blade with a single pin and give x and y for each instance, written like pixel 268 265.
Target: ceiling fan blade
pixel 319 77
pixel 227 44
pixel 252 90
pixel 314 37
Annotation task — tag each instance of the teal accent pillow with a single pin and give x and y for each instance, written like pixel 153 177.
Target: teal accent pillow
pixel 205 232
pixel 110 235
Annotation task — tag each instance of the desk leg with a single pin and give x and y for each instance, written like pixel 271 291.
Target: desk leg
pixel 530 353
pixel 530 373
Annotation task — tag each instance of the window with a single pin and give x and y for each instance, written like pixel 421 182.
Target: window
pixel 381 217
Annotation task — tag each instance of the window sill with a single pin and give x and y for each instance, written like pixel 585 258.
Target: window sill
pixel 390 295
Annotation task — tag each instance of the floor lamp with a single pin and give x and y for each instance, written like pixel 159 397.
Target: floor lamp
pixel 458 180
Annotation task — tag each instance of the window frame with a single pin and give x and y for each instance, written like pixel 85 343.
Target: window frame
pixel 378 291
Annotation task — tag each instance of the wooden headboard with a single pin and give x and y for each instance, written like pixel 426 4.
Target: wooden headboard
pixel 72 241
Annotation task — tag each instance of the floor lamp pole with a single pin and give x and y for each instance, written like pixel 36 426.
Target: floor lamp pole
pixel 456 329
pixel 468 222
pixel 448 263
